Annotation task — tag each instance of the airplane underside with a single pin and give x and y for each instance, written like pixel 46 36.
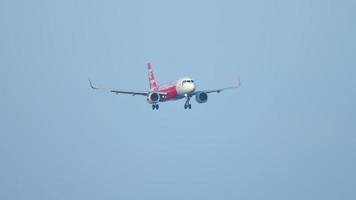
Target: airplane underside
pixel 187 105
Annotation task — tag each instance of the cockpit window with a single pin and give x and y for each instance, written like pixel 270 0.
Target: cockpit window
pixel 188 81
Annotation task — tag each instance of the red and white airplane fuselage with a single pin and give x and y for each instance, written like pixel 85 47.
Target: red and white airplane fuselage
pixel 175 90
pixel 183 88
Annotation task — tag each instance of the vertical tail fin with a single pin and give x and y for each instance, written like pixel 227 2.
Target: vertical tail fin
pixel 151 77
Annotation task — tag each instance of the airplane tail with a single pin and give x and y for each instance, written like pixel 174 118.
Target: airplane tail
pixel 151 77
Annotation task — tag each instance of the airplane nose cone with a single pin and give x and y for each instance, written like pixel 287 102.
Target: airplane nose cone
pixel 190 88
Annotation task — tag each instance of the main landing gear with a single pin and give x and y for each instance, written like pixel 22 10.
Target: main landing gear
pixel 155 107
pixel 187 105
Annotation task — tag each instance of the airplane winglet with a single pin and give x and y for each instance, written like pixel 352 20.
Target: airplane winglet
pixel 92 86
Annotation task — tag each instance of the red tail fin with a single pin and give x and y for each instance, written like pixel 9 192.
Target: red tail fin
pixel 151 77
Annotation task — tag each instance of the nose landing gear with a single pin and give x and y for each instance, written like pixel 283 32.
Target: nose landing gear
pixel 187 105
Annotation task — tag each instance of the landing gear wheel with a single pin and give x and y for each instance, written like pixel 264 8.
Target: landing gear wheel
pixel 155 107
pixel 188 106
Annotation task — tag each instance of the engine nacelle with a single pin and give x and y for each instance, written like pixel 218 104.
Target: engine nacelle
pixel 153 97
pixel 201 97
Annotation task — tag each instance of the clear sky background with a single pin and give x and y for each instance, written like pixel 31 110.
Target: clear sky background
pixel 287 133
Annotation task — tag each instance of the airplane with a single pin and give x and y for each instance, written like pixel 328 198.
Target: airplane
pixel 182 88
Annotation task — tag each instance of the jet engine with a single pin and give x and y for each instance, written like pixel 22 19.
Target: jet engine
pixel 153 97
pixel 201 97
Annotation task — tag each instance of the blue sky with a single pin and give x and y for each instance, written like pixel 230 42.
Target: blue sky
pixel 287 133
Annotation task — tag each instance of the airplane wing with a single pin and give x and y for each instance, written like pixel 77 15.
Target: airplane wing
pixel 116 91
pixel 220 89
